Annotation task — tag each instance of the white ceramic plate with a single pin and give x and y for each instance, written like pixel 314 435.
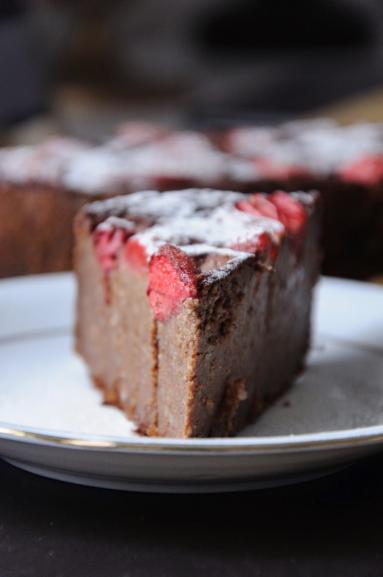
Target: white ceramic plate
pixel 52 421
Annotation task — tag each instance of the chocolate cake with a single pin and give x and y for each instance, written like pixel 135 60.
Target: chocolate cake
pixel 194 306
pixel 345 163
pixel 35 216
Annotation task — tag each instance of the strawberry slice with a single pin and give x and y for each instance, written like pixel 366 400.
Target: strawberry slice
pixel 247 206
pixel 279 206
pixel 258 205
pixel 368 170
pixel 291 213
pixel 135 255
pixel 107 245
pixel 172 279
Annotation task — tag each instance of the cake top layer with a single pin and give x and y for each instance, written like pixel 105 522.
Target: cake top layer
pixel 143 156
pixel 317 147
pixel 169 161
pixel 181 159
pixel 43 163
pixel 95 171
pixel 157 206
pixel 200 235
pixel 187 154
pixel 197 222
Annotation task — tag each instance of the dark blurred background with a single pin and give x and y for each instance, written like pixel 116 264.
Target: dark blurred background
pixel 80 65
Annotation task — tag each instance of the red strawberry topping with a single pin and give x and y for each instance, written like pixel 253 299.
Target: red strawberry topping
pixel 135 255
pixel 258 205
pixel 107 245
pixel 279 206
pixel 291 213
pixel 172 279
pixel 367 170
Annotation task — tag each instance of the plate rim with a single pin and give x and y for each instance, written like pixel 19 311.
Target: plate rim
pixel 330 440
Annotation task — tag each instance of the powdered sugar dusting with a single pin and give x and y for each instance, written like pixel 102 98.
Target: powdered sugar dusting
pixel 113 222
pixel 153 205
pixel 45 163
pixel 145 156
pixel 140 158
pixel 198 221
pixel 95 171
pixel 224 226
pixel 321 146
pixel 185 155
pixel 202 249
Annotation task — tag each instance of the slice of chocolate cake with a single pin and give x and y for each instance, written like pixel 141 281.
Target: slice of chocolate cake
pixel 194 306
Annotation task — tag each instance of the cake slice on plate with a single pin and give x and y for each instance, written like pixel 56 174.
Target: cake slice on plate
pixel 194 306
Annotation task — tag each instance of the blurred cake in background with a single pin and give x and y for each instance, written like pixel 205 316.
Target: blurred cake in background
pixel 345 163
pixel 43 186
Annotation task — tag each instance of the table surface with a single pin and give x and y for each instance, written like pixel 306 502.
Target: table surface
pixel 331 527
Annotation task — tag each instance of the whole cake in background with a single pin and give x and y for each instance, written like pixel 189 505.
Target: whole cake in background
pixel 194 306
pixel 43 186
